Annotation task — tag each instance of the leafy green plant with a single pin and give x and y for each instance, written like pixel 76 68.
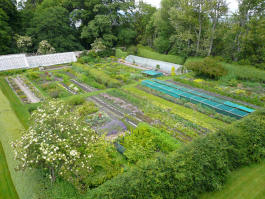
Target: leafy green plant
pixel 208 67
pixel 144 141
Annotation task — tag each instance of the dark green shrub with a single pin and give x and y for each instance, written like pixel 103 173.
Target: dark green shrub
pixel 145 140
pixel 162 44
pixel 76 100
pixel 87 109
pixel 120 54
pixel 132 50
pixel 33 75
pixel 208 67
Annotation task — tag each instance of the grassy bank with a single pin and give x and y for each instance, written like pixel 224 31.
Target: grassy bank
pixel 246 183
pixel 151 54
pixel 26 183
pixel 7 189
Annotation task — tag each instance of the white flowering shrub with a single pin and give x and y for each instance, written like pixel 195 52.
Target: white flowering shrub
pixel 23 42
pixel 45 48
pixel 61 145
pixel 98 45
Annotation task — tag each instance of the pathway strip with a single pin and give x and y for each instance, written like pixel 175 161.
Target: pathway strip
pixel 30 95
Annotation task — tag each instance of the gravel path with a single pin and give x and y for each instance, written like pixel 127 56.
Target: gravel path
pixel 30 95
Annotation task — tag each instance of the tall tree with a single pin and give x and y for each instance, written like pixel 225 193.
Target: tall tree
pixel 5 34
pixel 218 9
pixel 143 18
pixel 53 24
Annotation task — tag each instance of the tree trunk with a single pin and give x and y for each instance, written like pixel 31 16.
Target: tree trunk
pixel 52 173
pixel 212 36
pixel 199 35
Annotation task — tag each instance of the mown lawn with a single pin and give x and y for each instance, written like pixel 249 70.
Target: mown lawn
pixel 26 183
pixel 7 189
pixel 246 183
pixel 151 54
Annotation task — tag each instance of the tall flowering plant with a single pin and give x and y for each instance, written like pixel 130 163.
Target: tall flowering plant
pixel 60 144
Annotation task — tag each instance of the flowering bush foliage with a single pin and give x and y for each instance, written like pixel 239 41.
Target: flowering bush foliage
pixel 98 45
pixel 23 42
pixel 45 48
pixel 60 144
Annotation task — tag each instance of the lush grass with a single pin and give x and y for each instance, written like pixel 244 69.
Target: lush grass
pixel 246 183
pixel 149 53
pixel 193 59
pixel 26 183
pixel 244 73
pixel 7 189
pixel 15 103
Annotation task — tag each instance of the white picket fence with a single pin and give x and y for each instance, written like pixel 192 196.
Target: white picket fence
pixel 20 61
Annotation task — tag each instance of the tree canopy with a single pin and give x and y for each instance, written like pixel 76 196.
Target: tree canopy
pixel 180 27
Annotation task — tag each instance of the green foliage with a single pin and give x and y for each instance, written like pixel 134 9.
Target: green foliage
pixel 149 53
pixel 161 44
pixel 246 183
pixel 209 67
pixel 132 50
pixel 87 109
pixel 244 72
pixel 76 100
pixel 103 78
pixel 120 54
pixel 126 36
pixel 200 166
pixel 5 33
pixel 142 142
pixel 53 24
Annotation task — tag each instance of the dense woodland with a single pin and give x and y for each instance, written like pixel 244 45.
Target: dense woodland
pixel 180 27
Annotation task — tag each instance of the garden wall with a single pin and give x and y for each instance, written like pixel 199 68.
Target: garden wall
pixel 18 61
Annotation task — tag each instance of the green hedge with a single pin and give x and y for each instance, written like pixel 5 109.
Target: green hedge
pixel 201 166
pixel 151 54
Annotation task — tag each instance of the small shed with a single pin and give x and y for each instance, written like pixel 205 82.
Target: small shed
pixel 152 73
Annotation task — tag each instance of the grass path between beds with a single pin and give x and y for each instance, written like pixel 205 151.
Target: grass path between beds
pixel 27 184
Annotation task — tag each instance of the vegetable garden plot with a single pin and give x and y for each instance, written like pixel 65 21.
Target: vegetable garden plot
pixel 24 89
pixel 106 74
pixel 17 90
pixel 49 84
pixel 224 107
pixel 163 116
